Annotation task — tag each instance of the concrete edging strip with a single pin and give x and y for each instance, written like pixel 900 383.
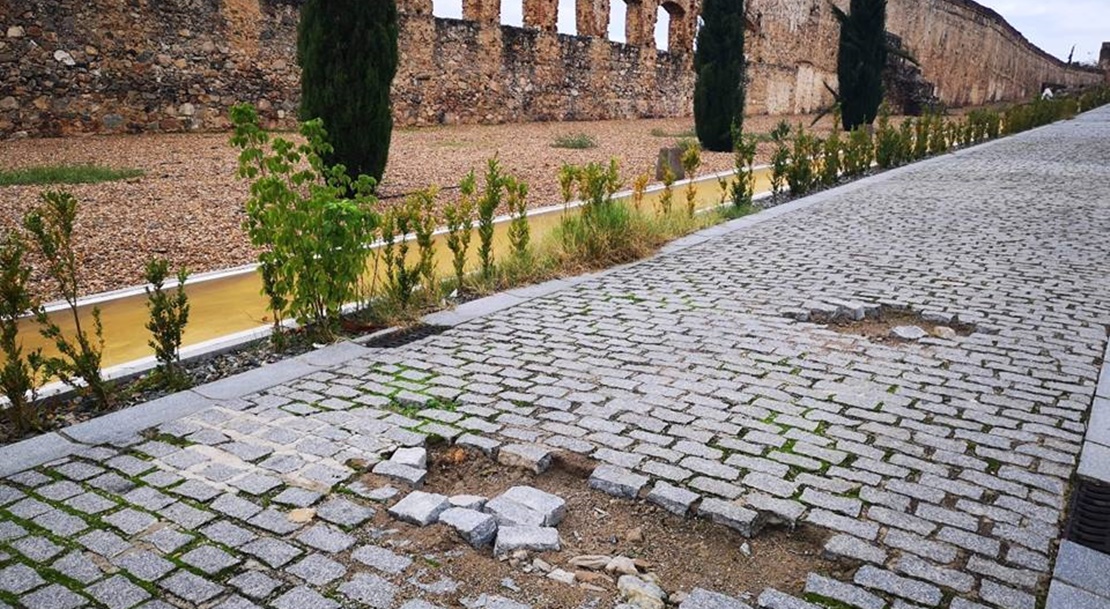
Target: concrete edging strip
pixel 33 452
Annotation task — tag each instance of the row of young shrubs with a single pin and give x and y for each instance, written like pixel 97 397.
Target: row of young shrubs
pixel 803 161
pixel 312 224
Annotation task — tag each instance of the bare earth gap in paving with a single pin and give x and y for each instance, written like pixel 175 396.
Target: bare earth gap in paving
pixel 941 466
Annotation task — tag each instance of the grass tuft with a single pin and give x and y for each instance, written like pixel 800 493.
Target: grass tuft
pixel 575 141
pixel 45 175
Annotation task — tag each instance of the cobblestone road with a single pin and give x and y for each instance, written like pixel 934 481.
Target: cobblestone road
pixel 942 466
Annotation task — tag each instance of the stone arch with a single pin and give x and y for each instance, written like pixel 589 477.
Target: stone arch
pixel 680 36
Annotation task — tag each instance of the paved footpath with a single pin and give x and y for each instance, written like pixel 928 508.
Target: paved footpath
pixel 942 466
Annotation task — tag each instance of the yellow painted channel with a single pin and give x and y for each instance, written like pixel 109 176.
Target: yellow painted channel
pixel 234 303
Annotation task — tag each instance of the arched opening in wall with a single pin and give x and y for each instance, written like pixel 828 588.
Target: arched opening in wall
pixel 447 9
pixel 618 18
pixel 662 29
pixel 566 17
pixel 672 32
pixel 512 13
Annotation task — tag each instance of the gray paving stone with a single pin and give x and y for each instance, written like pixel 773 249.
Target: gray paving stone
pixel 273 552
pixel 131 522
pixel 402 473
pixel 53 596
pixel 700 598
pixel 256 584
pixel 190 587
pixel 1083 567
pixel 510 513
pixel 1004 596
pixel 617 481
pixel 533 539
pixel 420 508
pixel 274 521
pixel 303 597
pixel 369 590
pixel 317 570
pixel 773 599
pixel 853 596
pixel 853 548
pixel 209 559
pixel 343 512
pixel 90 503
pixel 103 543
pixel 10 530
pixel 551 508
pixel 227 534
pixel 144 565
pixel 381 559
pixel 527 456
pixel 38 549
pixel 732 515
pixel 297 497
pixel 167 539
pixel 476 528
pixel 1065 596
pixel 117 592
pixel 672 498
pixel 77 567
pixel 19 578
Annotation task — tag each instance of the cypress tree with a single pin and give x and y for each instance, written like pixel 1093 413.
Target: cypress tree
pixel 861 61
pixel 347 50
pixel 719 63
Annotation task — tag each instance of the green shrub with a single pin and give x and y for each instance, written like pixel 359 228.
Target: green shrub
pixel 517 201
pixel 402 277
pixel 310 221
pixel 347 50
pixel 938 135
pixel 691 160
pixel 666 196
pixel 21 375
pixel 51 227
pixel 830 157
pixel 859 153
pixel 423 210
pixel 800 174
pixel 169 314
pixel 780 159
pixel 460 217
pixel 888 147
pixel 742 188
pixel 487 208
pixel 46 175
pixel 575 141
pixel 921 128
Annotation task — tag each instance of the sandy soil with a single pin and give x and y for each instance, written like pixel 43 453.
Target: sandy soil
pixel 684 553
pixel 188 206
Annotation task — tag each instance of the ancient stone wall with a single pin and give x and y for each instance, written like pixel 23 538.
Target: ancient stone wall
pixel 970 52
pixel 101 66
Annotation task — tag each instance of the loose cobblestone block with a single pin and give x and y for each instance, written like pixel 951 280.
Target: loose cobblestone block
pixel 700 598
pixel 369 590
pixel 526 456
pixel 672 498
pixel 326 538
pixel 773 599
pixel 476 528
pixel 551 508
pixel 317 570
pixel 401 473
pixel 730 514
pixel 420 508
pixel 910 589
pixel 853 596
pixel 617 481
pixel 510 513
pixel 344 513
pixel 469 502
pixel 853 548
pixel 533 539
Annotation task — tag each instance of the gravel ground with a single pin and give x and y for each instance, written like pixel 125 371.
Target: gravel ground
pixel 188 206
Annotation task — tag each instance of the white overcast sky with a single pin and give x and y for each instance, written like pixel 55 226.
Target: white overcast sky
pixel 1053 25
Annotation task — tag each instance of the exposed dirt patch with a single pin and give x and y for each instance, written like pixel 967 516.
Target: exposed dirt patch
pixel 683 553
pixel 878 326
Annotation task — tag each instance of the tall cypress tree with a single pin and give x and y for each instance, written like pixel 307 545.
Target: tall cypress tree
pixel 861 61
pixel 347 50
pixel 719 63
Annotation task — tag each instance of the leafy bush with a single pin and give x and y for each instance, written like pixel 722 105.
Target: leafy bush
pixel 575 141
pixel 21 375
pixel 639 189
pixel 423 209
pixel 921 128
pixel 859 152
pixel 402 277
pixel 460 217
pixel 742 188
pixel 169 314
pixel 830 157
pixel 311 221
pixel 888 145
pixel 800 174
pixel 666 197
pixel 51 227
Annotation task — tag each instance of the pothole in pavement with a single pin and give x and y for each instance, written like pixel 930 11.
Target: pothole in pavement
pixel 882 323
pixel 600 538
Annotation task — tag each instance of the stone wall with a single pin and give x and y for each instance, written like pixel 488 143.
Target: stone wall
pixel 101 66
pixel 970 52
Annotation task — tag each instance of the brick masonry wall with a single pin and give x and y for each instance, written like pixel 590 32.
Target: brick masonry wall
pixel 103 66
